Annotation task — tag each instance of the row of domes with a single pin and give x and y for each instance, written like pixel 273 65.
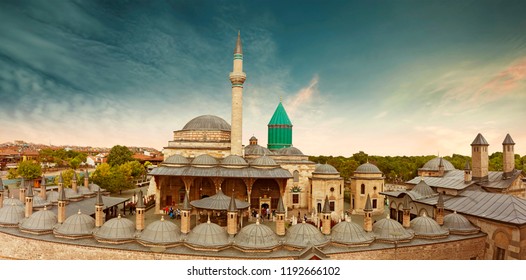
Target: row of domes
pixel 229 161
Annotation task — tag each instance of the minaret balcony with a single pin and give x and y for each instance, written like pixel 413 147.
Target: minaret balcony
pixel 238 77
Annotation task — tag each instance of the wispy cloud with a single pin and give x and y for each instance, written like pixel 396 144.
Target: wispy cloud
pixel 381 115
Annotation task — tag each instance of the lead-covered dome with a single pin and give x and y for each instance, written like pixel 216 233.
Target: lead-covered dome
pixel 52 196
pixel 40 222
pixel 289 151
pixel 422 190
pixel 350 233
pixel 162 233
pixel 9 201
pixel 325 169
pixel 257 150
pixel 116 230
pixel 458 224
pixel 368 168
pixel 208 235
pixel 435 163
pixel 11 215
pixel 389 230
pixel 256 236
pixel 39 202
pixel 207 122
pixel 303 234
pixel 234 161
pixel 177 160
pixel 76 226
pixel 264 161
pixel 205 160
pixel 425 227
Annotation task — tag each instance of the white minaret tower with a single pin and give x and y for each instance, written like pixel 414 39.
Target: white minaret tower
pixel 237 78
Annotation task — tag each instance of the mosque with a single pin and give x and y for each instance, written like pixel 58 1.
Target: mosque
pixel 236 203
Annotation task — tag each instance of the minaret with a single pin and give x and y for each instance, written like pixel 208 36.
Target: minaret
pixel 86 178
pixel 508 156
pixel 231 226
pixel 61 213
pixel 185 215
pixel 74 181
pixel 99 207
pixel 22 190
pixel 140 208
pixel 237 78
pixel 60 182
pixel 280 218
pixel 479 158
pixel 326 217
pixel 467 172
pixel 29 201
pixel 368 217
pixel 43 193
pixel 439 215
pixel 406 218
pixel 1 193
pixel 441 168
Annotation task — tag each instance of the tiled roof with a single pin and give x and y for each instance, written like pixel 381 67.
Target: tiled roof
pixel 248 172
pixel 480 140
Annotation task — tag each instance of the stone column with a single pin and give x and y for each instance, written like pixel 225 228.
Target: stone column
pixel 74 182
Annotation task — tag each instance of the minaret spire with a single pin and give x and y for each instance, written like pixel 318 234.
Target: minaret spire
pixel 237 78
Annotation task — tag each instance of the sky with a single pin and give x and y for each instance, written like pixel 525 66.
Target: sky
pixel 383 77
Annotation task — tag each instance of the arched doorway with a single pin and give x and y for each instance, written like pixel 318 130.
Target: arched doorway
pixel 201 188
pixel 264 191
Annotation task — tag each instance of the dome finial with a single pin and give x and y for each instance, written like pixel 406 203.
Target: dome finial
pixel 79 212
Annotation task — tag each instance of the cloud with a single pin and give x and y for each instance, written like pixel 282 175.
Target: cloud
pixel 303 97
pixel 381 115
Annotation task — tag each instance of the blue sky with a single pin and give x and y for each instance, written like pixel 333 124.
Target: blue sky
pixel 384 77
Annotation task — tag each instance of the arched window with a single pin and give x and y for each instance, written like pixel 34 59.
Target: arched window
pixel 296 176
pixel 362 189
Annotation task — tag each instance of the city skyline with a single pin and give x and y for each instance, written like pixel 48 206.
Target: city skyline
pixel 383 77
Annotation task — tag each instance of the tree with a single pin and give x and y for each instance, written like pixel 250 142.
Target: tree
pixel 67 177
pixel 29 170
pixel 75 163
pixel 113 179
pixel 119 155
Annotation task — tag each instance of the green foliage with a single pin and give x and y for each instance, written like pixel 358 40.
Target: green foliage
pixel 12 174
pixel 67 177
pixel 119 155
pixel 29 170
pixel 75 163
pixel 114 179
pixel 62 157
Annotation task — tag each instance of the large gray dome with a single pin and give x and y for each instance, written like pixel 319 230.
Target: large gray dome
pixel 160 232
pixel 434 164
pixel 176 159
pixel 303 234
pixel 256 236
pixel 325 169
pixel 257 150
pixel 9 201
pixel 289 151
pixel 10 215
pixel 422 190
pixel 425 227
pixel 458 224
pixel 390 230
pixel 208 235
pixel 204 159
pixel 349 233
pixel 39 202
pixel 368 168
pixel 116 230
pixel 234 161
pixel 40 222
pixel 207 122
pixel 76 226
pixel 52 196
pixel 264 161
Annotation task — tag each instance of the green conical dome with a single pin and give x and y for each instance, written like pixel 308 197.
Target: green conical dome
pixel 279 129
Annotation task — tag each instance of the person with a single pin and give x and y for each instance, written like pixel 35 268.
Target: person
pixel 268 214
pixel 305 217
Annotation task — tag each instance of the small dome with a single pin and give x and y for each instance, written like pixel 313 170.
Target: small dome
pixel 176 159
pixel 368 168
pixel 325 169
pixel 160 232
pixel 204 159
pixel 9 201
pixel 289 151
pixel 434 164
pixel 257 150
pixel 390 230
pixel 71 194
pixel 41 221
pixel 302 234
pixel 52 196
pixel 95 188
pixel 207 122
pixel 39 202
pixel 256 236
pixel 77 225
pixel 234 160
pixel 85 191
pixel 425 227
pixel 422 190
pixel 458 224
pixel 347 232
pixel 116 230
pixel 208 235
pixel 10 215
pixel 264 161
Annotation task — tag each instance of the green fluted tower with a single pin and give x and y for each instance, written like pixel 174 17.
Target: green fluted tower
pixel 279 129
